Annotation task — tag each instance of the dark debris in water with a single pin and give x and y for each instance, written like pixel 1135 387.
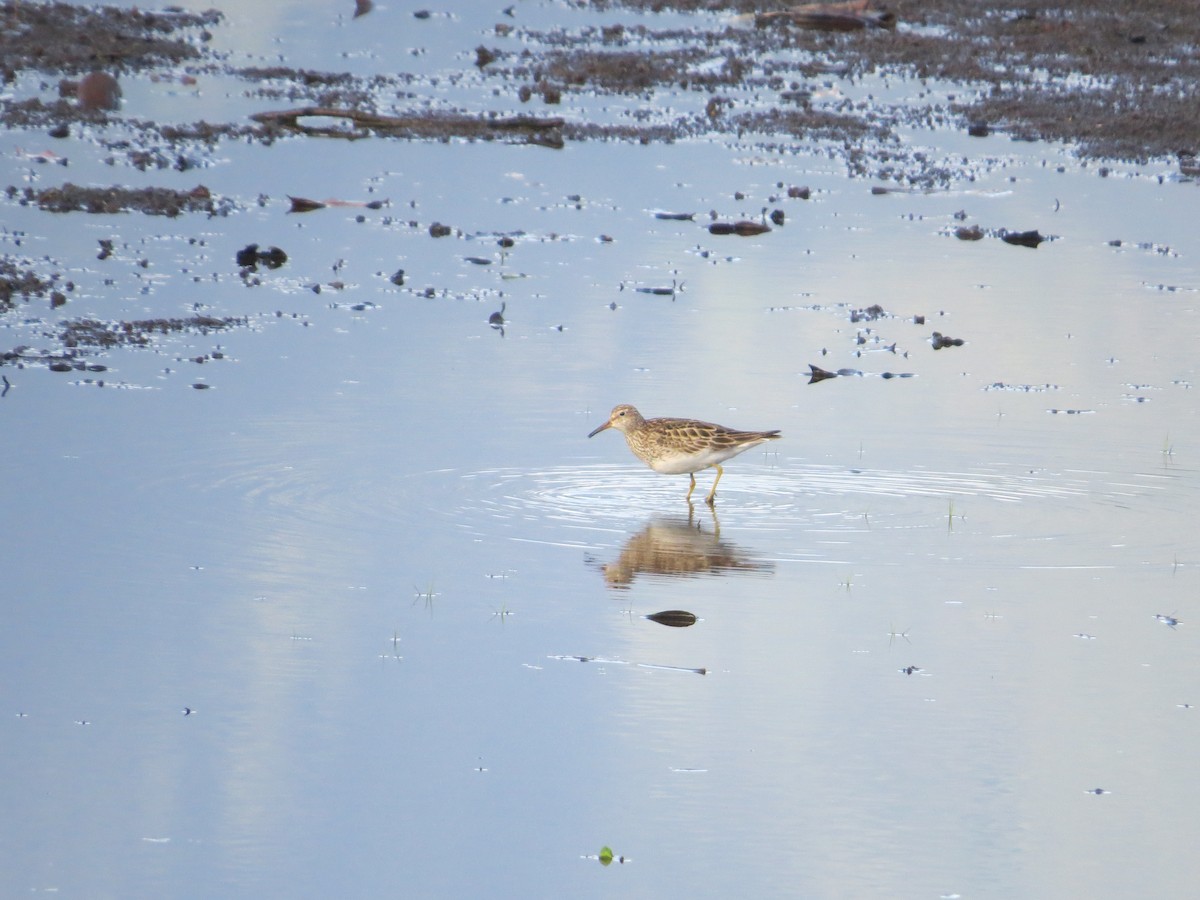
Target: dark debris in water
pixel 744 228
pixel 139 332
pixel 16 280
pixel 153 201
pixel 66 37
pixel 939 341
pixel 673 618
pixel 251 256
pixel 1029 239
pixel 77 339
pixel 816 374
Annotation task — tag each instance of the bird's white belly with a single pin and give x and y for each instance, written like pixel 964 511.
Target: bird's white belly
pixel 681 463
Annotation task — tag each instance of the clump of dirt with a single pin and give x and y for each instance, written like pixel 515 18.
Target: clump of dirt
pixel 81 338
pixel 1120 78
pixel 139 332
pixel 60 37
pixel 153 201
pixel 16 280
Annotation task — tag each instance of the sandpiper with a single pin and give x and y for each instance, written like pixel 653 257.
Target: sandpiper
pixel 675 446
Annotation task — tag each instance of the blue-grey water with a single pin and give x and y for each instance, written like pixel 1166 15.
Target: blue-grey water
pixel 367 617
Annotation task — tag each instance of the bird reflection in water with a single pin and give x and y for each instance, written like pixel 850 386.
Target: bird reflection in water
pixel 679 548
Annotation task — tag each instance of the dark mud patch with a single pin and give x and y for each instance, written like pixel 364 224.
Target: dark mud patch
pixel 60 37
pixel 104 335
pixel 75 341
pixel 153 201
pixel 16 280
pixel 1120 79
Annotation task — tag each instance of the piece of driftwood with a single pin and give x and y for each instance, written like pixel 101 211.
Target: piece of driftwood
pixel 545 132
pixel 745 228
pixel 852 15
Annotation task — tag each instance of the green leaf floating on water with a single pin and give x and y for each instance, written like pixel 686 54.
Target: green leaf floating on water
pixel 606 855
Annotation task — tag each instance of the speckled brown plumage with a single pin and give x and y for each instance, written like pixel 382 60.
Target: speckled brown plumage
pixel 676 446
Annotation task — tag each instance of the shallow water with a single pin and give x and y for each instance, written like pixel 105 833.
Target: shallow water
pixel 371 557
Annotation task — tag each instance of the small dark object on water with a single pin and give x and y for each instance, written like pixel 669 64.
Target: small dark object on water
pixel 662 291
pixel 483 56
pixel 398 278
pixel 303 204
pixel 978 129
pixel 437 230
pixel 868 313
pixel 496 319
pixel 422 14
pixel 908 670
pixel 98 90
pixel 1022 238
pixel 250 256
pixel 272 257
pixel 505 242
pixel 675 217
pixel 777 216
pixel 816 373
pixel 745 228
pixel 940 340
pixel 106 249
pixel 968 233
pixel 799 193
pixel 478 260
pixel 674 618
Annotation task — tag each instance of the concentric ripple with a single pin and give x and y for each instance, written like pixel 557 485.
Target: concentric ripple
pixel 613 496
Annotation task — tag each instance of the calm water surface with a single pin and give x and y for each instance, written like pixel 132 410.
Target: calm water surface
pixel 933 620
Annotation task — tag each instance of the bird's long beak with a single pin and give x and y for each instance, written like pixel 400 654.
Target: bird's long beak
pixel 600 429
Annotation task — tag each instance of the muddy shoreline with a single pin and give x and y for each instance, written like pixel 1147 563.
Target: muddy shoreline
pixel 1118 80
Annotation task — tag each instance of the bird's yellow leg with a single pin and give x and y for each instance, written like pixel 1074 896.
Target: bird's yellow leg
pixel 692 488
pixel 712 495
